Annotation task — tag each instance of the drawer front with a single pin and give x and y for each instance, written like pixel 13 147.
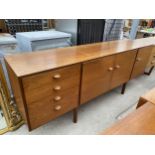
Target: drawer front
pixel 51 94
pixel 123 67
pixel 96 78
pixel 141 61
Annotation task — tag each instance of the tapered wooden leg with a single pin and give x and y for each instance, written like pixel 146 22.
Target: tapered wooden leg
pixel 150 71
pixel 123 88
pixel 75 115
pixel 141 102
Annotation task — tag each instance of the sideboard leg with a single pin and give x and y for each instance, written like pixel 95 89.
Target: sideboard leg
pixel 75 115
pixel 123 88
pixel 141 102
pixel 150 71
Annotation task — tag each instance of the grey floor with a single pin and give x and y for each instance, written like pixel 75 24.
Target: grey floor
pixel 98 114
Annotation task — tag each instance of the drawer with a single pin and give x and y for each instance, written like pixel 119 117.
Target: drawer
pixel 46 110
pixel 43 85
pixel 51 94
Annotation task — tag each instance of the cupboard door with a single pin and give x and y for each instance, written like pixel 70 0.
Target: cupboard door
pixel 141 61
pixel 96 77
pixel 123 67
pixel 151 61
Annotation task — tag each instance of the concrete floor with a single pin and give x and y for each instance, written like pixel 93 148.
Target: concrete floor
pixel 98 114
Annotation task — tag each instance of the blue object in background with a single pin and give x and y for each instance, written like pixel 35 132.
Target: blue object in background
pixel 134 28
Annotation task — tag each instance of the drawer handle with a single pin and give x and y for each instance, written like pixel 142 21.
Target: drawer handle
pixel 57 76
pixel 57 98
pixel 117 66
pixel 138 59
pixel 56 88
pixel 110 69
pixel 153 62
pixel 58 107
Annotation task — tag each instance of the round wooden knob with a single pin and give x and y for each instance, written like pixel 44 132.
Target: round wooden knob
pixel 153 62
pixel 57 98
pixel 57 76
pixel 110 69
pixel 57 107
pixel 56 88
pixel 117 66
pixel 138 59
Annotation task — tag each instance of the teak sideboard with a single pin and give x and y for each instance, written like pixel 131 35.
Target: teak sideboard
pixel 49 83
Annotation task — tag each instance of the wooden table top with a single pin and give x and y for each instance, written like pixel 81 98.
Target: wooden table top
pixel 150 96
pixel 141 122
pixel 34 62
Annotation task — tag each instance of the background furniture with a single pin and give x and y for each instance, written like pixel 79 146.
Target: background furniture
pixel 147 32
pixel 90 30
pixel 139 122
pixel 25 25
pixel 83 31
pixel 148 97
pixel 41 40
pixel 8 45
pixel 86 31
pixel 113 29
pixel 49 84
pixel 2 26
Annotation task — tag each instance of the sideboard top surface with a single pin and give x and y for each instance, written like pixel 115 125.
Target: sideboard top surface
pixel 34 62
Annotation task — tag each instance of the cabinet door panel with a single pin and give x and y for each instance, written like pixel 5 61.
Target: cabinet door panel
pixel 123 67
pixel 141 61
pixel 96 78
pixel 151 61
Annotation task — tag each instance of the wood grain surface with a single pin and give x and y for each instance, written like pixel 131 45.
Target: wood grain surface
pixel 140 122
pixel 34 62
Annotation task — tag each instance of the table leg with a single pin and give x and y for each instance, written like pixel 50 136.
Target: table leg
pixel 150 71
pixel 141 102
pixel 75 115
pixel 123 88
